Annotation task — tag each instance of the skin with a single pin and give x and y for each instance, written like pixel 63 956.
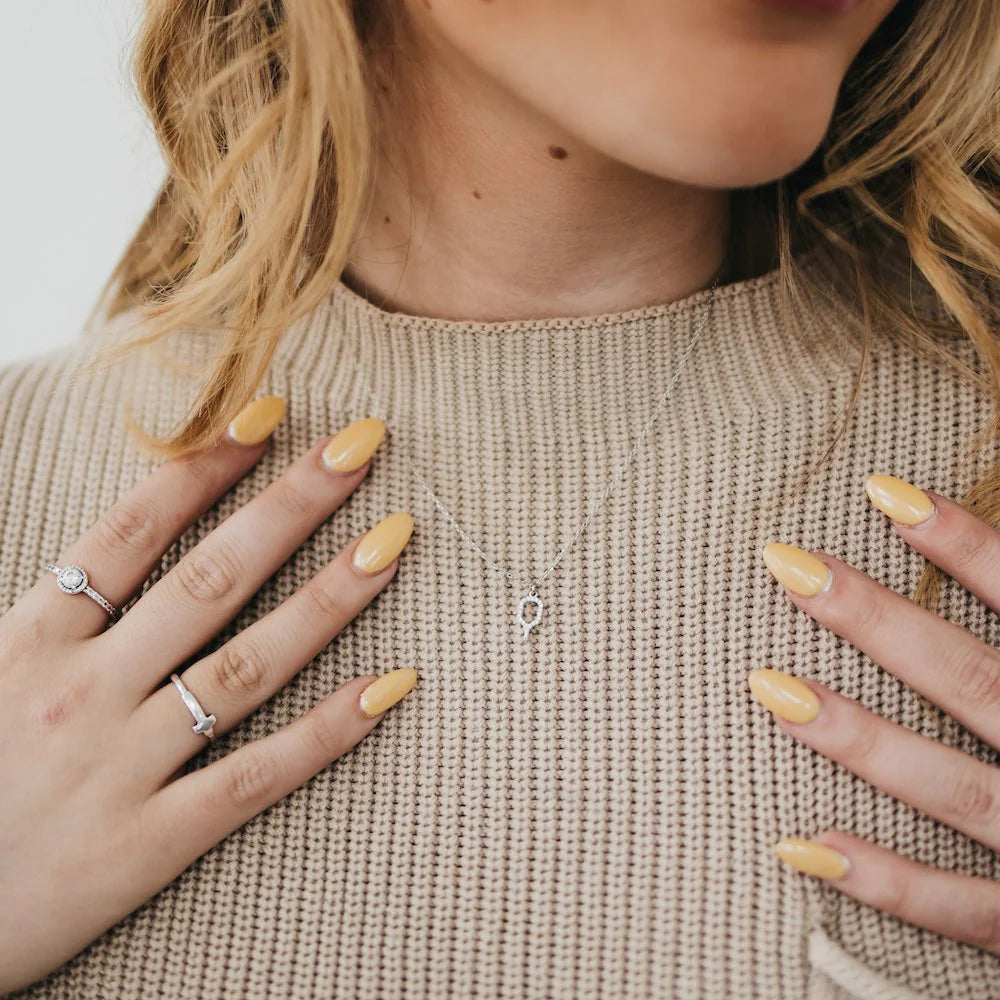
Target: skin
pixel 954 670
pixel 96 819
pixel 660 109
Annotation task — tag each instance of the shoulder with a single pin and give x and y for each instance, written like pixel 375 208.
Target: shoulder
pixel 66 450
pixel 30 390
pixel 84 393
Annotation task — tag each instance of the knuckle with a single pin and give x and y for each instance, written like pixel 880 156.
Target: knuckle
pixel 202 470
pixel 892 893
pixel 240 669
pixel 862 749
pixel 972 801
pixel 324 737
pixel 127 526
pixel 866 615
pixel 974 673
pixel 324 602
pixel 970 548
pixel 251 780
pixel 292 500
pixel 61 701
pixel 983 927
pixel 206 576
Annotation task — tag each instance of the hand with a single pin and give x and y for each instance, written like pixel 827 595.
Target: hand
pixel 95 817
pixel 945 663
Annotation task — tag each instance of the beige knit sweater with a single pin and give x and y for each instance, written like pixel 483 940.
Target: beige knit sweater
pixel 588 813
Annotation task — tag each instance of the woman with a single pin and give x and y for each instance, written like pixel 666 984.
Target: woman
pixel 643 293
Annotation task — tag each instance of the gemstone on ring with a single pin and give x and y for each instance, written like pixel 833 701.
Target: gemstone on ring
pixel 72 580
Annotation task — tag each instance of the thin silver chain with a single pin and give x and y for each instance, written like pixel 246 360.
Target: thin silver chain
pixel 617 476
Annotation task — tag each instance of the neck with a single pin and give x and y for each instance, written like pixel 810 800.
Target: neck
pixel 484 210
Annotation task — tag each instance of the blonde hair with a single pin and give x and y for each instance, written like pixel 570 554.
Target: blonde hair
pixel 265 112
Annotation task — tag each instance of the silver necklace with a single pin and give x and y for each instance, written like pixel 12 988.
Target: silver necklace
pixel 531 603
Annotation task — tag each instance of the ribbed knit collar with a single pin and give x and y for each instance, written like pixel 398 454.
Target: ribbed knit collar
pixel 746 355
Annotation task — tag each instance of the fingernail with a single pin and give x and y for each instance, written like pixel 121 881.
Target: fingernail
pixel 257 421
pixel 784 695
pixel 901 500
pixel 812 858
pixel 383 543
pixel 354 445
pixel 800 571
pixel 386 691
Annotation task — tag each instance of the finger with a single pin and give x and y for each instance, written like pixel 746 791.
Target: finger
pixel 215 579
pixel 945 663
pixel 244 673
pixel 964 546
pixel 957 906
pixel 128 540
pixel 196 811
pixel 940 781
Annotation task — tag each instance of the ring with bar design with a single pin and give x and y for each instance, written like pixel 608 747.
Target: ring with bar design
pixel 203 722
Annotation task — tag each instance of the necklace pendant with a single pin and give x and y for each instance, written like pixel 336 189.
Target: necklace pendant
pixel 530 600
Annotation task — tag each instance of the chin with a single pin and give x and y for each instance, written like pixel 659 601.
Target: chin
pixel 714 158
pixel 739 157
pixel 733 136
pixel 710 93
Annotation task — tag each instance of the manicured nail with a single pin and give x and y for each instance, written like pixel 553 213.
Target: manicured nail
pixel 257 421
pixel 386 691
pixel 812 858
pixel 354 445
pixel 383 543
pixel 901 500
pixel 800 571
pixel 784 695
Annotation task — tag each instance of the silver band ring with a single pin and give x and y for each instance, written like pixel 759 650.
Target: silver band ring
pixel 203 723
pixel 73 580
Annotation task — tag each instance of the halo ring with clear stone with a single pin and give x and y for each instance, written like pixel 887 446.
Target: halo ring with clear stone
pixel 74 580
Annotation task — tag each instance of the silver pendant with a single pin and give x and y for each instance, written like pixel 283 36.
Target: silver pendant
pixel 528 624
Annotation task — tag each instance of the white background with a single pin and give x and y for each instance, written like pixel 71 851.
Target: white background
pixel 79 167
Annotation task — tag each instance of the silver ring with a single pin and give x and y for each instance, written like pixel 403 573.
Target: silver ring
pixel 203 723
pixel 73 580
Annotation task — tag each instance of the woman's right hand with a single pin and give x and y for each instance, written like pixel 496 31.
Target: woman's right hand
pixel 95 817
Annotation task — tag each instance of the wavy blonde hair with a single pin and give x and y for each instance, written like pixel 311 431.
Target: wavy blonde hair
pixel 265 112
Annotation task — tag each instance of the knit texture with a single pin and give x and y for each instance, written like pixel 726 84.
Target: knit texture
pixel 590 812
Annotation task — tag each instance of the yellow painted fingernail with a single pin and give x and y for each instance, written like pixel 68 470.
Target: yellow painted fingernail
pixel 812 858
pixel 800 571
pixel 383 543
pixel 784 695
pixel 901 500
pixel 257 421
pixel 386 691
pixel 354 445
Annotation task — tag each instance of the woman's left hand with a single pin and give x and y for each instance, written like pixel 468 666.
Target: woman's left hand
pixel 949 666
